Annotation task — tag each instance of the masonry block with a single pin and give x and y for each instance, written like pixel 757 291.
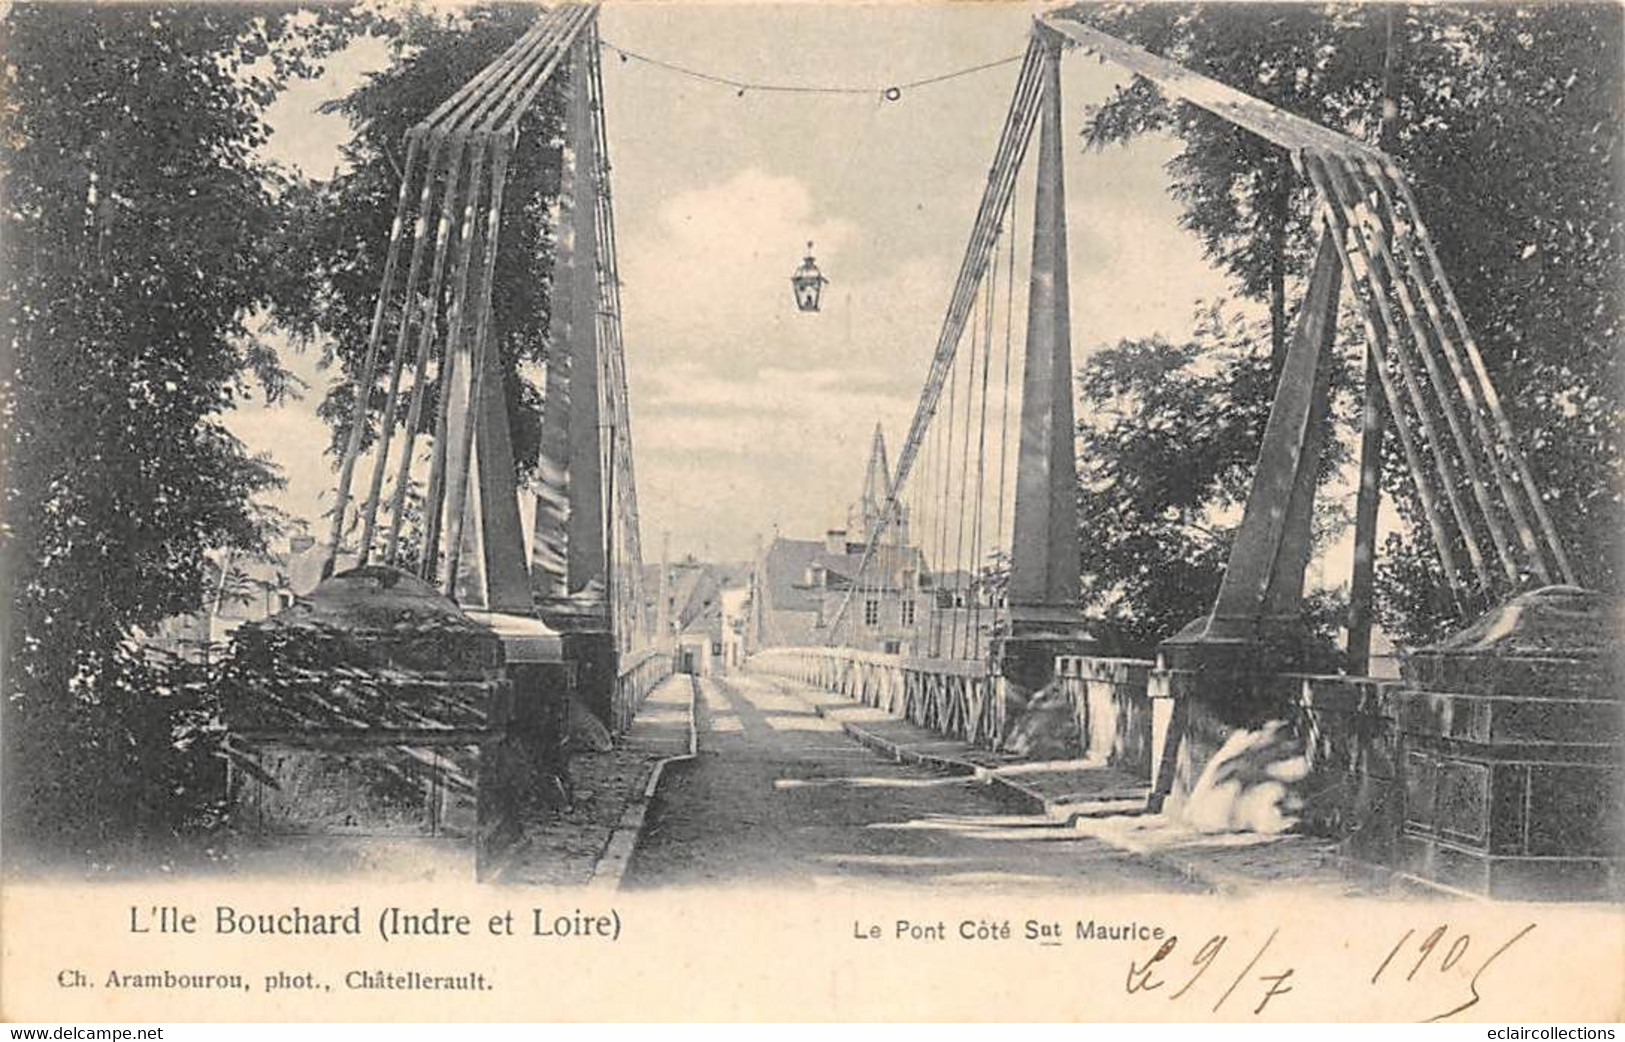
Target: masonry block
pixel 1113 710
pixel 1515 751
pixel 373 712
pixel 1037 715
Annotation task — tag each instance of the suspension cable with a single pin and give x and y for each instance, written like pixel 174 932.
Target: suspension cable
pixel 1011 149
pixel 960 574
pixel 981 460
pixel 1004 413
pixel 947 458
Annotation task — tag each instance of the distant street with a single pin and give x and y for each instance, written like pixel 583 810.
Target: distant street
pixel 780 795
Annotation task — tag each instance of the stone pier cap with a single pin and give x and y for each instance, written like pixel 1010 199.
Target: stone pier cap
pixel 372 648
pixel 1556 641
pixel 525 640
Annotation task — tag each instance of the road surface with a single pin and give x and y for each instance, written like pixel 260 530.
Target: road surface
pixel 778 795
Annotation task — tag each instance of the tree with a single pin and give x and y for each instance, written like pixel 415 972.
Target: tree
pixel 135 227
pixel 1535 256
pixel 345 233
pixel 1167 440
pixel 1240 194
pixel 1479 92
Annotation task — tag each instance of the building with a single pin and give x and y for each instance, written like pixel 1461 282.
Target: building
pixel 798 586
pixel 736 606
pixel 696 594
pixel 243 589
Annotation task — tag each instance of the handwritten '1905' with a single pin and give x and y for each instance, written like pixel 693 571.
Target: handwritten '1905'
pixel 1144 978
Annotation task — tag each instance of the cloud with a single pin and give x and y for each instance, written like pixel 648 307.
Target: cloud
pixel 710 279
pixel 748 412
pixel 722 457
pixel 745 411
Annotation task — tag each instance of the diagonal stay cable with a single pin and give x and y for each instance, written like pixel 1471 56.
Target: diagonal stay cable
pixel 1012 146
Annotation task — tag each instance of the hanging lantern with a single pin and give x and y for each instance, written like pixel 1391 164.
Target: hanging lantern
pixel 808 282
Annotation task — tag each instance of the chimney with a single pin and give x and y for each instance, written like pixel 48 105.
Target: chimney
pixel 835 541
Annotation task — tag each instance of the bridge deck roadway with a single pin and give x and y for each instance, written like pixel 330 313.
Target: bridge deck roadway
pixel 779 795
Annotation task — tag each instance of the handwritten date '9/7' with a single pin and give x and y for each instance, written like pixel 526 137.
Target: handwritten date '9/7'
pixel 1435 964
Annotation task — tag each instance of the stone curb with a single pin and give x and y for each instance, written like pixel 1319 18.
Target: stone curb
pixel 1191 870
pixel 610 869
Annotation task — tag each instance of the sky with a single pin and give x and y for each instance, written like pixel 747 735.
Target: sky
pixel 749 416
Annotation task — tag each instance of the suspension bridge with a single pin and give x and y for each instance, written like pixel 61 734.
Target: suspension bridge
pixel 450 654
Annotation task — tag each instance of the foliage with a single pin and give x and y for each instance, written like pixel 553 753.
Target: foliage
pixel 1536 259
pixel 136 226
pixel 1414 604
pixel 344 232
pixel 1167 441
pixel 133 756
pixel 1506 122
pixel 1241 196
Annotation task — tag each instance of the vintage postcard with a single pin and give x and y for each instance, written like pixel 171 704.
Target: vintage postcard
pixel 819 511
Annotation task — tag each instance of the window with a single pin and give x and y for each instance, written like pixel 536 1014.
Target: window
pixel 908 612
pixel 871 613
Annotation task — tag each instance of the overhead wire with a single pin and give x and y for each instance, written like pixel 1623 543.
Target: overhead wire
pixel 887 91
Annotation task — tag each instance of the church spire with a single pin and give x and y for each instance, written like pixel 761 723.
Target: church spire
pixel 869 512
pixel 876 481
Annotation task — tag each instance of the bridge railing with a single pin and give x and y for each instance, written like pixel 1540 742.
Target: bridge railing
pixel 1112 708
pixel 1123 711
pixel 953 697
pixel 640 672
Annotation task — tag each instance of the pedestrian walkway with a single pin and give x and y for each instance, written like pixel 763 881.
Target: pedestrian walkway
pixel 1108 805
pixel 563 846
pixel 1059 788
pixel 780 795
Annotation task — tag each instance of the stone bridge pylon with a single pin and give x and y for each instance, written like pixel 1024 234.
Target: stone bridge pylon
pixel 422 694
pixel 1493 764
